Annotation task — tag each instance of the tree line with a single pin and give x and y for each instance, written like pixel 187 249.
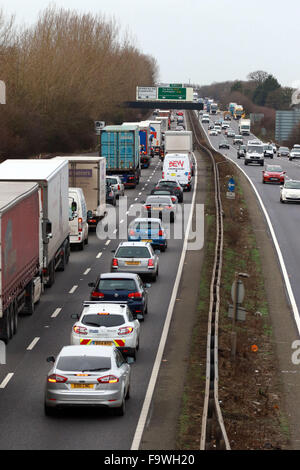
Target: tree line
pixel 261 93
pixel 63 73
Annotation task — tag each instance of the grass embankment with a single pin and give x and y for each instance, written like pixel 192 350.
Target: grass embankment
pixel 249 387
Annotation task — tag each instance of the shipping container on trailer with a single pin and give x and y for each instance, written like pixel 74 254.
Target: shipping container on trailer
pixel 144 136
pixel 21 253
pixel 89 174
pixel 52 177
pixel 120 146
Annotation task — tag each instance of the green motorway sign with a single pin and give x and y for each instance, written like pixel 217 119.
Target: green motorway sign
pixel 170 93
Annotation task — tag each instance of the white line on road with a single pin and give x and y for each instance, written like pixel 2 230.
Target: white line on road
pixel 86 271
pixel 121 221
pixel 33 343
pixel 71 291
pixel 155 370
pixel 107 243
pixel 99 255
pixel 56 312
pixel 6 380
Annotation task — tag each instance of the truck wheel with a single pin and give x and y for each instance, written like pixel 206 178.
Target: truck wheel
pixel 51 270
pixel 29 306
pixel 5 327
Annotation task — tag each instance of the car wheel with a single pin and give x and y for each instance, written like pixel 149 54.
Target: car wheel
pixel 281 200
pixel 49 410
pixel 128 392
pixel 120 411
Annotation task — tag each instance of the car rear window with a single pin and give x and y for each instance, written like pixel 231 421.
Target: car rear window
pixel 84 363
pixel 112 180
pixel 133 252
pixel 158 200
pixel 103 320
pixel 147 226
pixel 116 284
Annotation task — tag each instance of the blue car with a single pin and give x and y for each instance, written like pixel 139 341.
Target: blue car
pixel 122 287
pixel 150 230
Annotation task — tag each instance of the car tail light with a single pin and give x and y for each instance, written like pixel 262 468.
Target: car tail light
pixel 79 224
pixel 163 175
pixel 54 378
pixel 119 187
pixel 189 176
pixel 115 262
pixel 173 199
pixel 150 263
pixel 148 207
pixel 131 232
pixel 125 330
pixel 108 379
pixel 178 187
pixel 135 295
pixel 97 294
pixel 168 207
pixel 160 233
pixel 80 330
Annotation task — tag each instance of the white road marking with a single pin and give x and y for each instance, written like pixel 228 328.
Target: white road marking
pixel 86 271
pixel 107 243
pixel 71 291
pixel 56 312
pixel 6 380
pixel 99 255
pixel 152 382
pixel 121 221
pixel 33 343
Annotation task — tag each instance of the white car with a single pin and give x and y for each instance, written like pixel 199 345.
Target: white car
pixel 116 185
pixel 107 324
pixel 213 132
pixel 290 191
pixel 294 153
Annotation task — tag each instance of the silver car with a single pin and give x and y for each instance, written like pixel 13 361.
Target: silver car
pixel 136 257
pixel 96 376
pixel 116 185
pixel 161 207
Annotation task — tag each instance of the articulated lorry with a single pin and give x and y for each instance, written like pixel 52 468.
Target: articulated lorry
pixel 144 136
pixel 52 177
pixel 120 146
pixel 89 174
pixel 21 253
pixel 213 108
pixel 180 142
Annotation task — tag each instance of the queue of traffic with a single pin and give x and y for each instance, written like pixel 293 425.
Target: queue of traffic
pixel 254 151
pixel 94 370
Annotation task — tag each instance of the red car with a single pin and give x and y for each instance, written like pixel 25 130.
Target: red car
pixel 273 174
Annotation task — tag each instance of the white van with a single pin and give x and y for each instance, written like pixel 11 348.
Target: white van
pixel 79 229
pixel 178 166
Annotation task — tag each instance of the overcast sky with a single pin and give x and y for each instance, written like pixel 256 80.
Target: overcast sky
pixel 198 41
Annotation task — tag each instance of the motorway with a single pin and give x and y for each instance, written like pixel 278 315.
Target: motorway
pixel 22 378
pixel 285 218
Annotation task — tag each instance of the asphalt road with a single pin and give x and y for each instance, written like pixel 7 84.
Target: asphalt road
pixel 22 378
pixel 285 218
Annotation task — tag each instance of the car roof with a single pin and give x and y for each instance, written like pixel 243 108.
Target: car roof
pixel 87 350
pixel 134 244
pixel 119 276
pixel 155 196
pixel 147 219
pixel 98 307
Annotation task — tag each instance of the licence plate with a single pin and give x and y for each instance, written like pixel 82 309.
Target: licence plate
pixel 156 208
pixel 82 385
pixel 173 174
pixel 102 343
pixel 274 179
pixel 147 241
pixel 132 263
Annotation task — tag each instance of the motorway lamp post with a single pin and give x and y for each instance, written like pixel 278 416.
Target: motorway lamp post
pixel 237 297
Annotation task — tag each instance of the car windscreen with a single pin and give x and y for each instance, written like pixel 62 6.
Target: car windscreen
pixel 116 284
pixel 133 252
pixel 283 149
pixel 83 363
pixel 255 149
pixel 102 320
pixel 292 185
pixel 275 168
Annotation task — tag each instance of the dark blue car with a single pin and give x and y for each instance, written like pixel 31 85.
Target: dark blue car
pixel 146 229
pixel 122 287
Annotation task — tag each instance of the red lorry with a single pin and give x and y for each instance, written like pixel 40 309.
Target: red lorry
pixel 21 251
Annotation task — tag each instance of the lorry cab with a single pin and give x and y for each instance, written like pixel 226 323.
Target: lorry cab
pixel 178 166
pixel 79 229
